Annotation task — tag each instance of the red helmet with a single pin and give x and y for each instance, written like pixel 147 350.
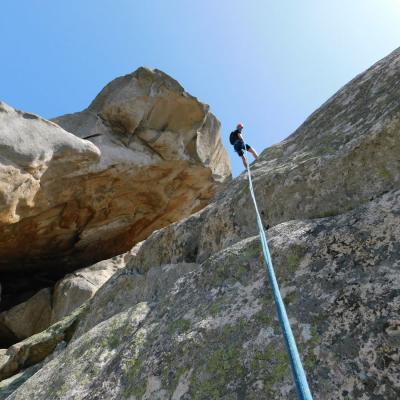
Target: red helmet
pixel 239 126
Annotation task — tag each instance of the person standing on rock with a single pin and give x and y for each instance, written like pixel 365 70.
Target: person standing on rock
pixel 238 143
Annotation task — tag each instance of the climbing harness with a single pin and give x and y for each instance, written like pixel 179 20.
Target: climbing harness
pixel 300 380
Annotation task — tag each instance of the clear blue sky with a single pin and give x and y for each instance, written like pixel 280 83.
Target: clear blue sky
pixel 267 63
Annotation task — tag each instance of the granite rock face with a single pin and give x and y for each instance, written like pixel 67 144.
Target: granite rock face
pixel 27 318
pixel 78 287
pixel 148 116
pixel 344 154
pixel 156 157
pixel 153 155
pixel 50 305
pixel 33 148
pixel 39 162
pixel 162 152
pixel 192 317
pixel 209 331
pixel 35 349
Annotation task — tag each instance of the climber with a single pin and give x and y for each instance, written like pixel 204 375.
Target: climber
pixel 237 141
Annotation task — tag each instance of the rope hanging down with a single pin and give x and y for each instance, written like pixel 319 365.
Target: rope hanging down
pixel 303 391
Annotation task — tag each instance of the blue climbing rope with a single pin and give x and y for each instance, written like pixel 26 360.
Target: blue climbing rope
pixel 300 380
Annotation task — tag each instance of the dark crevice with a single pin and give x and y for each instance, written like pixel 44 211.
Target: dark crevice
pixel 92 136
pixel 18 287
pixel 29 116
pixel 151 148
pixel 7 337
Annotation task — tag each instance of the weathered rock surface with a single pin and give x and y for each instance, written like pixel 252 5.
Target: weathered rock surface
pixel 147 115
pixel 9 385
pixel 28 318
pixel 76 288
pixel 66 202
pixel 344 154
pixel 51 305
pixel 209 331
pixel 30 145
pixel 192 316
pixel 162 149
pixel 39 162
pixel 36 348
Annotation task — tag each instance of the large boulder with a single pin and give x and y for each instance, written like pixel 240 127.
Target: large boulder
pixel 34 151
pixel 162 158
pixel 76 288
pixel 147 117
pixel 153 156
pixel 39 165
pixel 27 318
